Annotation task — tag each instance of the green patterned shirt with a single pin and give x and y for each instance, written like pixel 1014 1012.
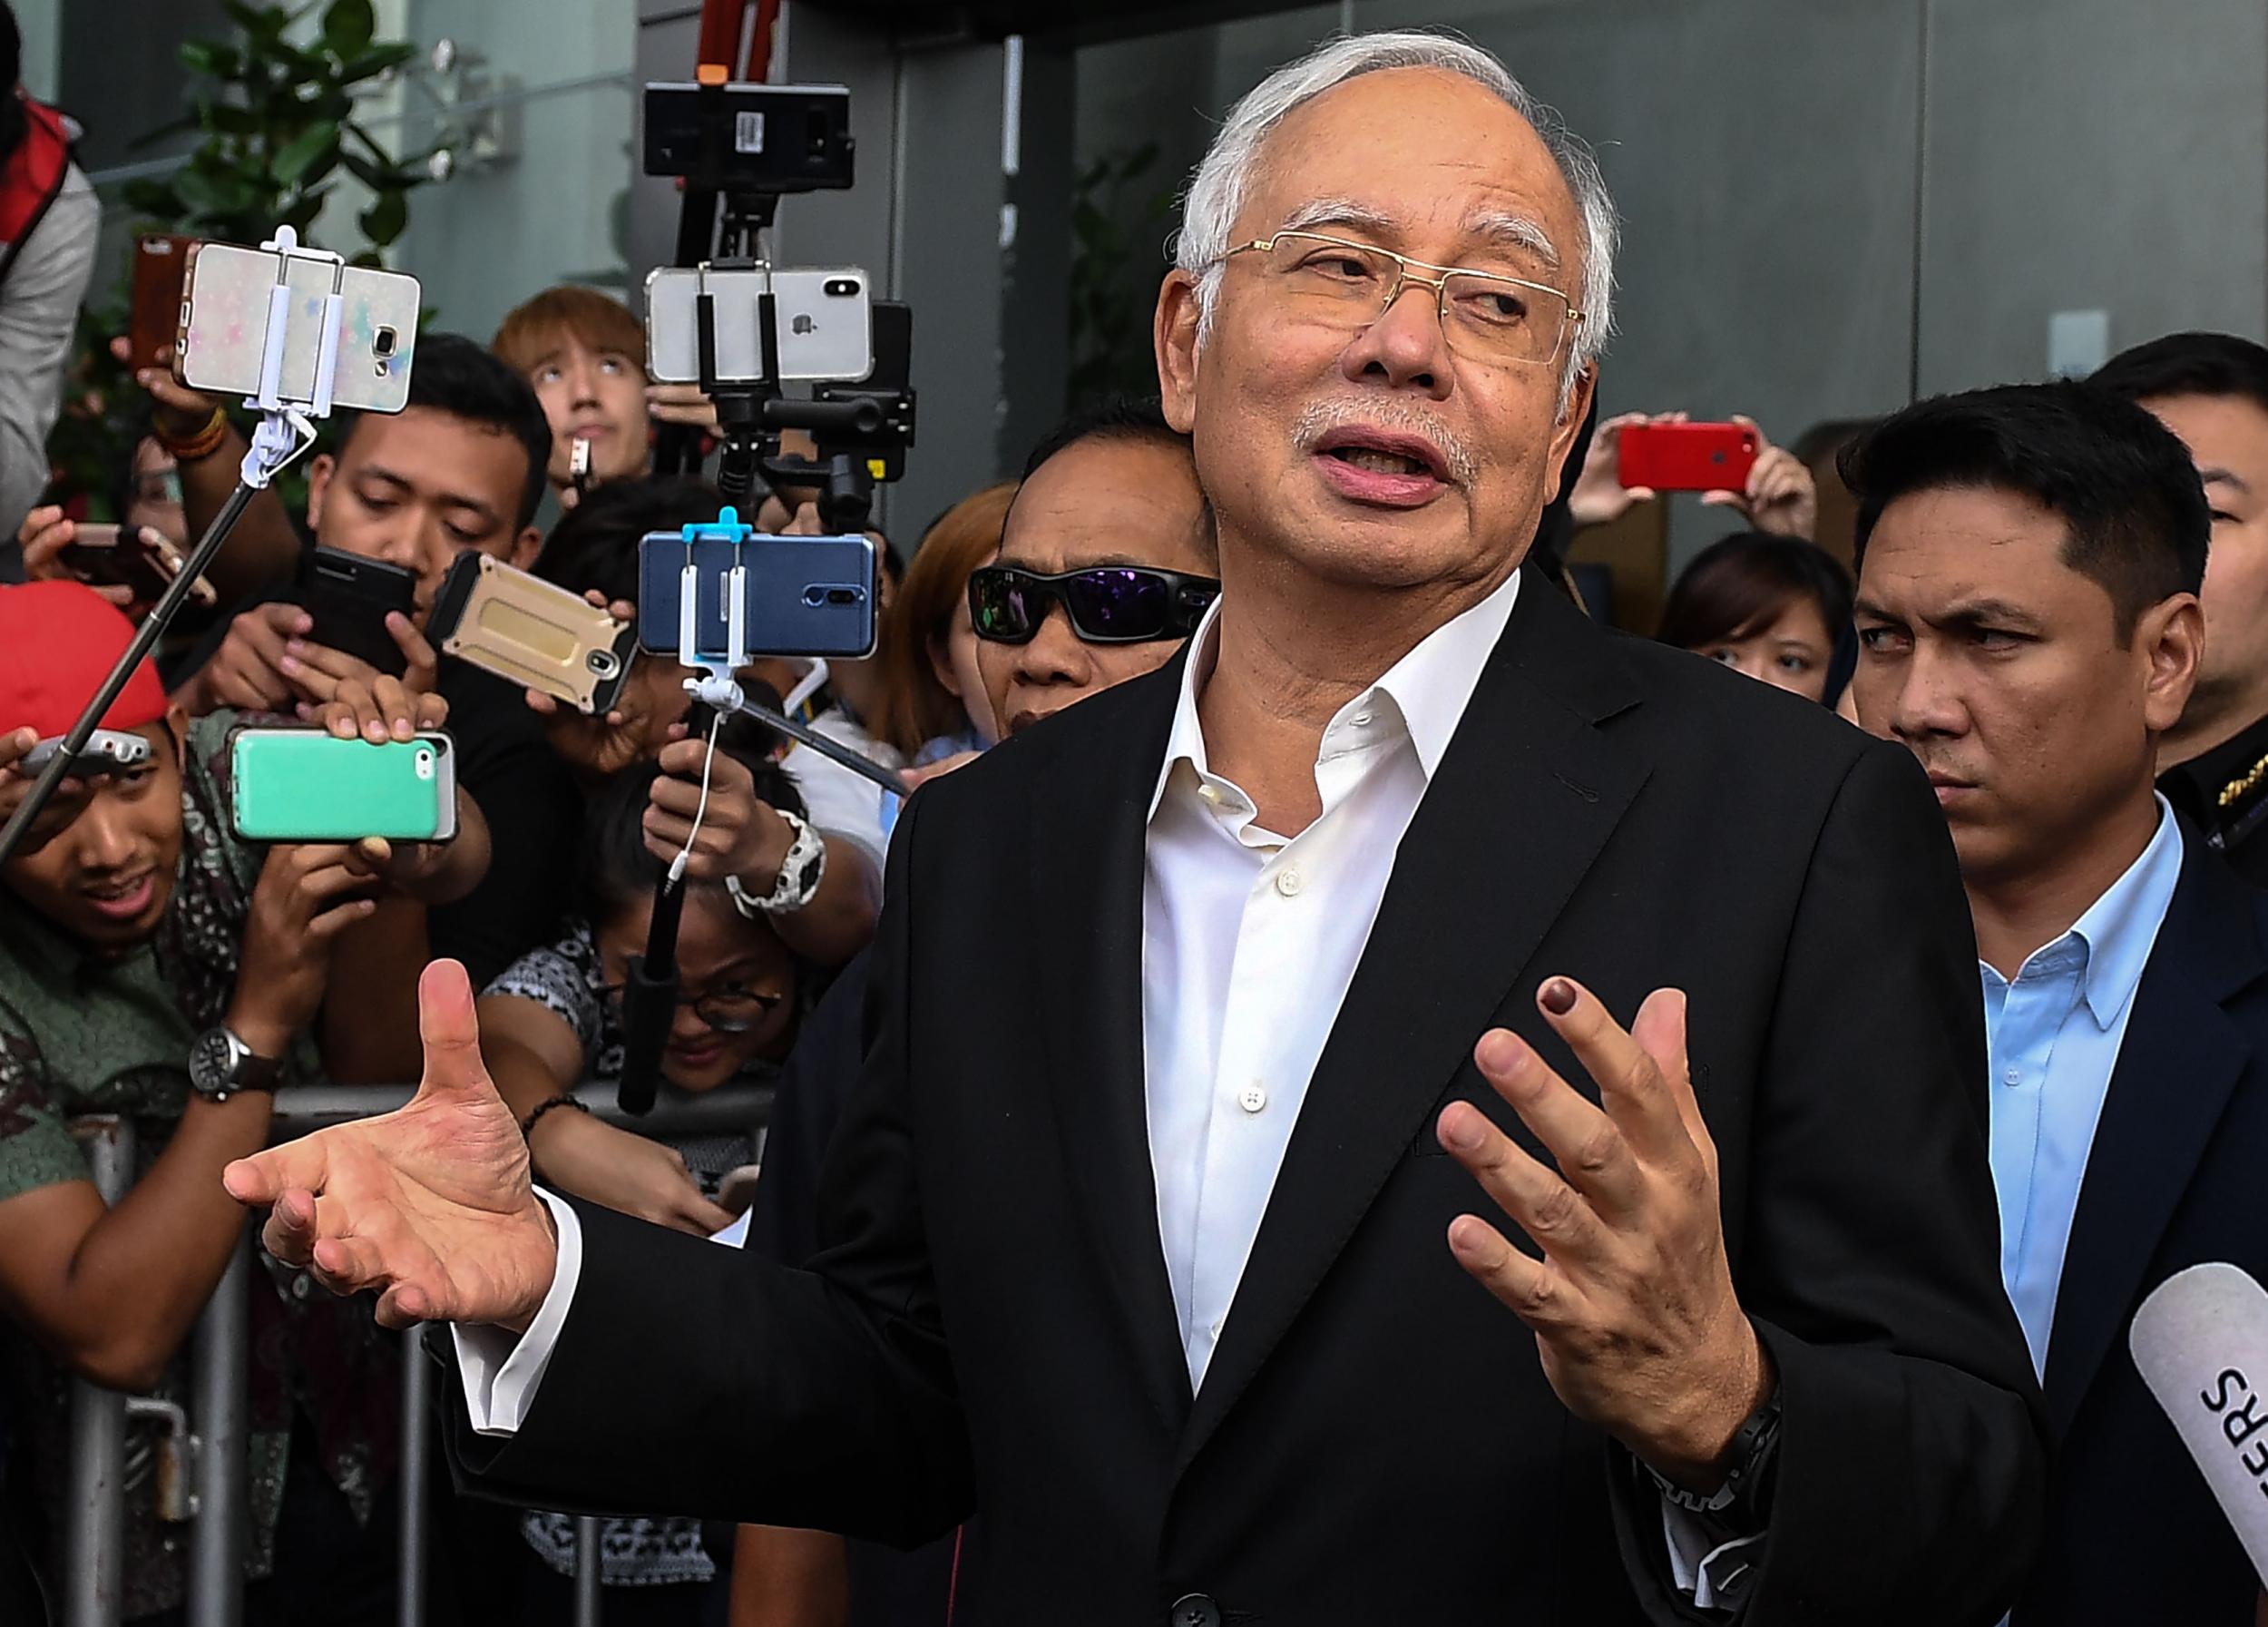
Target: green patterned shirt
pixel 82 1032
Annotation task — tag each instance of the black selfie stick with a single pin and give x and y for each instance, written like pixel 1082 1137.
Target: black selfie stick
pixel 651 982
pixel 152 628
pixel 283 433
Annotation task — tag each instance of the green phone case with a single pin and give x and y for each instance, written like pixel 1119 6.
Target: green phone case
pixel 303 785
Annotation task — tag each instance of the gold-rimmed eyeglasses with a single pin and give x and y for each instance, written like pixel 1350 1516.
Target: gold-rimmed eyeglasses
pixel 1487 316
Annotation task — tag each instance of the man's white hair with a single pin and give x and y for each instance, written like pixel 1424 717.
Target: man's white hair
pixel 1218 191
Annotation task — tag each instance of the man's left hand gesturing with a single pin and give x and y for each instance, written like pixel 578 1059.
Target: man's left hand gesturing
pixel 1632 1303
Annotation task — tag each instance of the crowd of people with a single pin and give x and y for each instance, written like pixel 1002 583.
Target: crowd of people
pixel 2055 600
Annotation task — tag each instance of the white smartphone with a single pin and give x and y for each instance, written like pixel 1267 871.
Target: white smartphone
pixel 224 327
pixel 825 321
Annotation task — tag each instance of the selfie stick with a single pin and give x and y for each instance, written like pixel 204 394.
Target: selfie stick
pixel 284 433
pixel 651 981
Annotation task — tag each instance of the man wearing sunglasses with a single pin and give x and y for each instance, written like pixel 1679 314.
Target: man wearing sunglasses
pixel 1311 1242
pixel 1106 564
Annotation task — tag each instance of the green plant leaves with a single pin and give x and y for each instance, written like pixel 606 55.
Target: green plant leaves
pixel 347 27
pixel 316 145
pixel 376 61
pixel 383 221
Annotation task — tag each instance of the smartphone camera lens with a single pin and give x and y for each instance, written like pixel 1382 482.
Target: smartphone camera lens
pixel 383 345
pixel 844 595
pixel 841 288
pixel 602 663
pixel 815 595
pixel 425 762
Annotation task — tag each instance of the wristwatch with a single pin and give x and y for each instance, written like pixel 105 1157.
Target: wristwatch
pixel 1742 1499
pixel 220 1065
pixel 799 875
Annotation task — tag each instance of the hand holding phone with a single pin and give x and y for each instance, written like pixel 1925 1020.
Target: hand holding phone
pixel 535 633
pixel 351 598
pixel 141 562
pixel 1687 458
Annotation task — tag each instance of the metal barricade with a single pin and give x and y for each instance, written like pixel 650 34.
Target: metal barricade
pixel 220 1399
pixel 213 1443
pixel 95 1550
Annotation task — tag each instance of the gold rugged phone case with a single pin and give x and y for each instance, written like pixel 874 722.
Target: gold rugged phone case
pixel 533 633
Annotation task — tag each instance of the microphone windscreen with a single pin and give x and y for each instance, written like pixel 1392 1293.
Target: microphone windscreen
pixel 2200 1343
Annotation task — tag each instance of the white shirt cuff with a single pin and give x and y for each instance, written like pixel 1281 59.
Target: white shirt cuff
pixel 501 1372
pixel 1714 1575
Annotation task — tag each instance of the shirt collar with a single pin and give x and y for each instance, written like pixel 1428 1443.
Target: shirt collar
pixel 1428 687
pixel 2120 929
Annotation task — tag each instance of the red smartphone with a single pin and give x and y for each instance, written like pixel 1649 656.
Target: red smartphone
pixel 161 261
pixel 1686 457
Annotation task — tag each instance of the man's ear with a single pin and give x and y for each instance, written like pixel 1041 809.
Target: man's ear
pixel 1570 426
pixel 524 548
pixel 177 722
pixel 941 665
pixel 1174 337
pixel 319 472
pixel 2174 634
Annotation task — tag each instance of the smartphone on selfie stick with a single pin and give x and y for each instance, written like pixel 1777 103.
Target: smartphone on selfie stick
pixel 293 333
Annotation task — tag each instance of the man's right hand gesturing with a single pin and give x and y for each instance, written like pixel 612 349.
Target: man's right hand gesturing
pixel 431 1206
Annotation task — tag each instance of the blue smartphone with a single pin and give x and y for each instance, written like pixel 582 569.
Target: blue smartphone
pixel 805 595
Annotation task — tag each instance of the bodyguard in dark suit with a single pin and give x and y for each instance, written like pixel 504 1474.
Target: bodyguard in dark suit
pixel 2029 626
pixel 1307 1241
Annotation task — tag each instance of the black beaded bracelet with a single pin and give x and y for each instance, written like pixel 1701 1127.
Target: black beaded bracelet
pixel 527 1125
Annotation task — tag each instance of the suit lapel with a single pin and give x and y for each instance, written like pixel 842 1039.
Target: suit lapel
pixel 1525 796
pixel 2178 1063
pixel 1087 860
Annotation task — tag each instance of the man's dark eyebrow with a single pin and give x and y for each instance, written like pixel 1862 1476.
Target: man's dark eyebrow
pixel 1977 612
pixel 2228 477
pixel 448 499
pixel 1865 607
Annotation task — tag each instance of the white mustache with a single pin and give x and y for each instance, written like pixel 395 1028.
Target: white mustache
pixel 1322 417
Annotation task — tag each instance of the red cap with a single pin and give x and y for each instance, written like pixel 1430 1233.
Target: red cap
pixel 58 642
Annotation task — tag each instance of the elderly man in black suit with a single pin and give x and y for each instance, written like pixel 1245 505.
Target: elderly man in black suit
pixel 1314 1245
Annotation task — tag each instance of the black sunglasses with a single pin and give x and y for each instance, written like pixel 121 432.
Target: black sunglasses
pixel 1106 604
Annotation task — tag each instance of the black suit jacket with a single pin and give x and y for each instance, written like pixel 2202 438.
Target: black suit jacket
pixel 2173 1180
pixel 990 1326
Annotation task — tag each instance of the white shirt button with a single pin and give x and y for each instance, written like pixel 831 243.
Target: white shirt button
pixel 2014 1076
pixel 1360 720
pixel 1252 1098
pixel 1288 882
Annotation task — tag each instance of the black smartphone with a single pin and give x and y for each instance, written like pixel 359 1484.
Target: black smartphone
pixel 349 597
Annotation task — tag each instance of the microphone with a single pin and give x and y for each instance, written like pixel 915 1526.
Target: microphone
pixel 2200 1343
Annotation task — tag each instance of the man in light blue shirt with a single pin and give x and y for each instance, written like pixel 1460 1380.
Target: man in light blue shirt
pixel 2053 1033
pixel 2029 625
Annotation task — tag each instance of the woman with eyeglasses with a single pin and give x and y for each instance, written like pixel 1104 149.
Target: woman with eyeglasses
pixel 554 1019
